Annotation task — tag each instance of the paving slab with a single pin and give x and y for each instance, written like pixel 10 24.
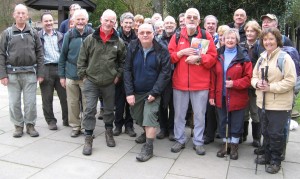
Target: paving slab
pixel 292 153
pixel 71 167
pixel 129 168
pixel 171 176
pixel 291 170
pixel 236 172
pixel 5 149
pixel 40 153
pixel 10 170
pixel 102 153
pixel 192 165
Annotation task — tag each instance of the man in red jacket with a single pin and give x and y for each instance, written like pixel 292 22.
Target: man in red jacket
pixel 191 79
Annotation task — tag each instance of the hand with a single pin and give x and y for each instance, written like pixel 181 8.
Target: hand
pixel 150 98
pixel 228 83
pixel 40 79
pixel 212 102
pixel 4 81
pixel 116 80
pixel 63 82
pixel 187 52
pixel 263 85
pixel 192 59
pixel 131 100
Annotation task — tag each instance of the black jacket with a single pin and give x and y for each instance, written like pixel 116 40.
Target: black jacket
pixel 164 69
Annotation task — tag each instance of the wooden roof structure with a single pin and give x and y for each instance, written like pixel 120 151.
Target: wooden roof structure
pixel 61 5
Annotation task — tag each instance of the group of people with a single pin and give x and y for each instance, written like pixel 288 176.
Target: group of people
pixel 147 71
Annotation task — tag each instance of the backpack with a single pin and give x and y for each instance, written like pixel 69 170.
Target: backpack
pixel 90 30
pixel 10 35
pixel 177 35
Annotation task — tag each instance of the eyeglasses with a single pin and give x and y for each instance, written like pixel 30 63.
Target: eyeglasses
pixel 145 32
pixel 192 17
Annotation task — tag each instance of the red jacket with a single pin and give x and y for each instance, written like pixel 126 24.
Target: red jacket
pixel 240 72
pixel 190 77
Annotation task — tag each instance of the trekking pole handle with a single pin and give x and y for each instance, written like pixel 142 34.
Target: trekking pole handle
pixel 262 73
pixel 266 72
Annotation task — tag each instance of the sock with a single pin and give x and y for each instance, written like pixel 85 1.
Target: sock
pixel 224 140
pixel 235 140
pixel 149 141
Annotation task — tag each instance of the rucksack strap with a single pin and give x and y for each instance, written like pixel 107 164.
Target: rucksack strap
pixel 280 61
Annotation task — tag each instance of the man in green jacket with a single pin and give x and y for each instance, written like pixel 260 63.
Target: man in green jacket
pixel 100 65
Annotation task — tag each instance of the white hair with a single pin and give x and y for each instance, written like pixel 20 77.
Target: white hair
pixel 80 11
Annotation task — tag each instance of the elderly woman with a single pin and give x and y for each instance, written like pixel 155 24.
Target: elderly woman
pixel 221 30
pixel 67 68
pixel 274 96
pixel 230 80
pixel 253 31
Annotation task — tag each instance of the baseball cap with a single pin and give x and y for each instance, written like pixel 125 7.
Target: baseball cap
pixel 271 16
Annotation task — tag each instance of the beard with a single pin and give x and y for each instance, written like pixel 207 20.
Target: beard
pixel 191 26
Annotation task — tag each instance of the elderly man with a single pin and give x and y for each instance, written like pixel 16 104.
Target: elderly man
pixel 64 26
pixel 21 67
pixel 191 80
pixel 181 20
pixel 146 74
pixel 52 43
pixel 166 108
pixel 127 34
pixel 210 25
pixel 239 19
pixel 100 65
pixel 67 69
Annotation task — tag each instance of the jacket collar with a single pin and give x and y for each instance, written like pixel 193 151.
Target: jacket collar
pixel 114 36
pixel 265 54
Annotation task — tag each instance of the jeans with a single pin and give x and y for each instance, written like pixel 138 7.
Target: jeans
pixel 52 82
pixel 26 84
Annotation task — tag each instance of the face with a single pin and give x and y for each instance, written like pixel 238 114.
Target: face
pixel 230 40
pixel 127 25
pixel 221 40
pixel 137 24
pixel 268 23
pixel 47 22
pixel 182 22
pixel 20 15
pixel 270 42
pixel 80 22
pixel 71 24
pixel 145 34
pixel 251 34
pixel 155 18
pixel 192 20
pixel 108 22
pixel 73 8
pixel 169 26
pixel 239 17
pixel 159 29
pixel 211 25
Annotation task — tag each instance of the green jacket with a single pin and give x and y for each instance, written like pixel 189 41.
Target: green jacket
pixel 101 62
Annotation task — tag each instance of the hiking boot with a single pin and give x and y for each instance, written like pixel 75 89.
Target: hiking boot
pixel 141 139
pixel 199 149
pixel 31 130
pixel 130 131
pixel 171 136
pixel 117 131
pixel 75 133
pixel 162 134
pixel 100 117
pixel 256 143
pixel 110 142
pixel 208 140
pixel 52 126
pixel 146 153
pixel 234 155
pixel 222 152
pixel 259 151
pixel 262 160
pixel 177 147
pixel 273 168
pixel 88 144
pixel 18 132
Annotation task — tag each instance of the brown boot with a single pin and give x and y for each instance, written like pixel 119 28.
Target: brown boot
pixel 110 142
pixel 234 151
pixel 31 130
pixel 18 132
pixel 222 152
pixel 87 148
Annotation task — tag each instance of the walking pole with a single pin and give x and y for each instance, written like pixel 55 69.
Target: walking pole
pixel 227 121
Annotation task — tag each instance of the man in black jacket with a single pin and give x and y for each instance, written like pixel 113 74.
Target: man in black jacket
pixel 147 72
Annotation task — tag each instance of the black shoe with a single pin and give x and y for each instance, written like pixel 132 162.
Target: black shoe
pixel 130 131
pixel 259 151
pixel 171 136
pixel 117 131
pixel 273 168
pixel 262 160
pixel 207 140
pixel 256 143
pixel 66 123
pixel 162 134
pixel 141 139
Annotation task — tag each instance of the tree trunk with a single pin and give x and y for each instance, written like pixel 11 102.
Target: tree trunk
pixel 157 6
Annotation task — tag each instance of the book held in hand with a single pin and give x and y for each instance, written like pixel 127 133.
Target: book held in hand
pixel 201 45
